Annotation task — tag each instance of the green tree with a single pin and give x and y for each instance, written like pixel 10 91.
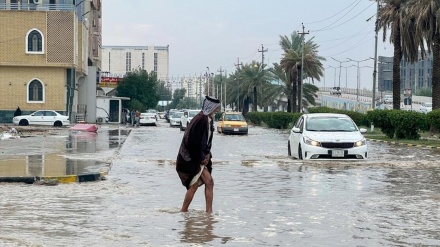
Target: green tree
pixel 391 17
pixel 188 103
pixel 141 88
pixel 427 20
pixel 178 95
pixel 292 60
pixel 252 77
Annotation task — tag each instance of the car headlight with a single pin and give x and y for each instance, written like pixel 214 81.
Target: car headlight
pixel 311 142
pixel 226 125
pixel 360 143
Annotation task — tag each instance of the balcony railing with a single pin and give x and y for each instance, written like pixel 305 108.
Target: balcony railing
pixel 37 7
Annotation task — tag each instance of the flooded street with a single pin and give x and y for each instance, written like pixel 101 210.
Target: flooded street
pixel 262 197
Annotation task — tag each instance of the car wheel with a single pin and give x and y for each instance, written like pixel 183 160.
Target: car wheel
pixel 288 149
pixel 23 122
pixel 300 154
pixel 57 124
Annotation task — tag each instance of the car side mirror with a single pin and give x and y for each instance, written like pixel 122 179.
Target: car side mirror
pixel 362 130
pixel 296 130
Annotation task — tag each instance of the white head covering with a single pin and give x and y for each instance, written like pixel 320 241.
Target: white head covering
pixel 209 105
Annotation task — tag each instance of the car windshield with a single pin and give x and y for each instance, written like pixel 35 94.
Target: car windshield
pixel 177 114
pixel 233 117
pixel 193 113
pixel 330 124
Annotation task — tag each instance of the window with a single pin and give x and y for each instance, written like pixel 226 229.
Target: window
pixel 35 92
pixel 127 61
pixel 155 62
pixel 34 42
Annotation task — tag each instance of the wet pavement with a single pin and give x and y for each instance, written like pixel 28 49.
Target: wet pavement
pixel 261 197
pixel 60 152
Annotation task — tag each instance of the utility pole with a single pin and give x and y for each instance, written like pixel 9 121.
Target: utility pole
pixel 255 104
pixel 221 84
pixel 373 99
pixel 200 90
pixel 225 89
pixel 302 69
pixel 238 64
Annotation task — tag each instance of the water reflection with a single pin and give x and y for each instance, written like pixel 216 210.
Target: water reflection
pixel 70 153
pixel 81 142
pixel 198 228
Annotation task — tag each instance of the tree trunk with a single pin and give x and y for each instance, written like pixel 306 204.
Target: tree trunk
pixel 288 105
pixel 294 91
pixel 396 69
pixel 254 103
pixel 245 106
pixel 299 90
pixel 436 72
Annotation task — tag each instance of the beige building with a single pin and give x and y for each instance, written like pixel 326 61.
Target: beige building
pixel 118 60
pixel 49 56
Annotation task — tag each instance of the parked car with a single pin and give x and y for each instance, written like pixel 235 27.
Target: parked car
pixel 232 123
pixel 148 118
pixel 187 117
pixel 168 113
pixel 42 117
pixel 161 114
pixel 155 112
pixel 327 136
pixel 175 118
pixel 426 107
pixel 335 91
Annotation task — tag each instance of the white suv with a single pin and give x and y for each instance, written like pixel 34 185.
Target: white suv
pixel 187 117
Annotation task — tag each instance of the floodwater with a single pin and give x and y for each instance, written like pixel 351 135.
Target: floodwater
pixel 60 152
pixel 261 198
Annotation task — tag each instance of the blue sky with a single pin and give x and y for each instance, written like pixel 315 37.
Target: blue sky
pixel 214 33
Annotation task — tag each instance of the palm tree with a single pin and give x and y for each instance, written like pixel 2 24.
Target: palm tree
pixel 392 15
pixel 291 62
pixel 285 88
pixel 252 76
pixel 427 16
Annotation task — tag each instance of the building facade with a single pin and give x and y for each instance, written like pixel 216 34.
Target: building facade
pixel 118 60
pixel 49 56
pixel 413 76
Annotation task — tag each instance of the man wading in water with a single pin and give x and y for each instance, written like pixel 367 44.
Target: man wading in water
pixel 193 163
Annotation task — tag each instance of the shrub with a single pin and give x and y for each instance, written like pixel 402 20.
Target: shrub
pixel 433 118
pixel 407 123
pixel 380 119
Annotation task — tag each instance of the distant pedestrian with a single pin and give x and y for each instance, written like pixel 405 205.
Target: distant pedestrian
pixel 132 113
pixel 193 163
pixel 137 118
pixel 17 112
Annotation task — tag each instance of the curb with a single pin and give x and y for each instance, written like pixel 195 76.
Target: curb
pixel 53 180
pixel 404 144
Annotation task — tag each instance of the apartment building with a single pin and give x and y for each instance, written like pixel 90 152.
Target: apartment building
pixel 118 60
pixel 50 55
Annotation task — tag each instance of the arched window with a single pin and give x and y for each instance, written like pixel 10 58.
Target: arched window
pixel 34 42
pixel 35 92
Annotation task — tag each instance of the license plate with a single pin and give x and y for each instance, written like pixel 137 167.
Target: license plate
pixel 337 153
pixel 235 129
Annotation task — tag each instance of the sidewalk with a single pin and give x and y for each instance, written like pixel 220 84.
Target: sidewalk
pixel 48 156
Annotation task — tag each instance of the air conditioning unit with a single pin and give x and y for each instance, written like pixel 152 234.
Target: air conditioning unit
pixel 38 1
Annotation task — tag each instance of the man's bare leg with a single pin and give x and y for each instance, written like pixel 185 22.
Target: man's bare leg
pixel 189 196
pixel 209 189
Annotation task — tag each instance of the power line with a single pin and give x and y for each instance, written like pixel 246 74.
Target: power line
pixel 334 14
pixel 329 26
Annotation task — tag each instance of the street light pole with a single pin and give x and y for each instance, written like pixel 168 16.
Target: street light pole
pixel 358 80
pixel 340 68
